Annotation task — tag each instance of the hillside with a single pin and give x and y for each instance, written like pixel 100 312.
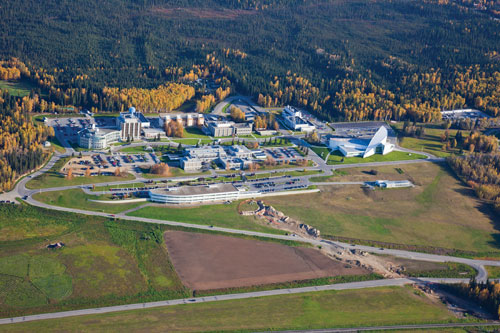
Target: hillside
pixel 304 52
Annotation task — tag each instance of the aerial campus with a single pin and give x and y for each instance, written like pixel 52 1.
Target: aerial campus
pixel 249 166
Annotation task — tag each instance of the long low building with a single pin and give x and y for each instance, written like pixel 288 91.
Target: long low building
pixel 200 194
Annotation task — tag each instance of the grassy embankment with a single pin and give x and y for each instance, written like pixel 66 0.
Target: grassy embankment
pixel 217 215
pixel 348 308
pixel 53 178
pixel 76 198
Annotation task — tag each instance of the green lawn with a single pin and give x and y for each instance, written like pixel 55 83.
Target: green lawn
pixel 218 215
pixel 17 88
pixel 76 198
pixel 53 178
pixel 192 141
pixel 337 158
pixel 321 151
pixel 194 133
pixel 348 308
pixel 136 150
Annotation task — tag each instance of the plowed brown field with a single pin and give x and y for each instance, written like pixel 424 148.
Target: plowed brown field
pixel 206 262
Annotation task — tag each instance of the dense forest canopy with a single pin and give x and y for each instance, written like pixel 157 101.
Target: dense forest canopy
pixel 342 59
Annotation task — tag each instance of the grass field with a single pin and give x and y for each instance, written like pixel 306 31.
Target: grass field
pixel 439 211
pixel 192 141
pixel 17 88
pixel 430 141
pixel 367 307
pixel 321 151
pixel 103 263
pixel 53 178
pixel 217 215
pixel 337 158
pixel 76 198
pixel 493 272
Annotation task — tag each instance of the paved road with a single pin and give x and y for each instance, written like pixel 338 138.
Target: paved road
pixel 138 306
pixel 398 327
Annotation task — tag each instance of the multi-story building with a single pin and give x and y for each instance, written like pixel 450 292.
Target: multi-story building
pixel 95 138
pixel 220 128
pixel 190 163
pixel 242 128
pixel 206 154
pixel 129 125
pixel 234 163
pixel 295 120
pixel 239 151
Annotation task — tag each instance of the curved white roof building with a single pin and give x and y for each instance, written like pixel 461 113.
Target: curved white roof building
pixel 351 147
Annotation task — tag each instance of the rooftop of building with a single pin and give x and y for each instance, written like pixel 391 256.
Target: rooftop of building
pixel 196 190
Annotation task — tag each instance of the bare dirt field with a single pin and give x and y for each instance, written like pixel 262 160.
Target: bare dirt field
pixel 205 262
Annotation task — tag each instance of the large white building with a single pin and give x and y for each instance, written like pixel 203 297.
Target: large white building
pixel 295 120
pixel 355 147
pixel 129 125
pixel 95 138
pixel 200 194
pixel 207 153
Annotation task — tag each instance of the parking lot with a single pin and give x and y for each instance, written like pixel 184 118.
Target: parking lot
pixel 68 128
pixel 362 130
pixel 106 164
pixel 283 154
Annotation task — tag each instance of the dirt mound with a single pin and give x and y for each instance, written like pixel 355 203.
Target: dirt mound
pixel 206 262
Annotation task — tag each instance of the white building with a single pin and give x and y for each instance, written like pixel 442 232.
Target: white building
pixel 95 138
pixel 353 147
pixel 200 194
pixel 239 151
pixel 295 120
pixel 393 183
pixel 153 133
pixel 207 153
pixel 129 125
pixel 234 163
pixel 190 164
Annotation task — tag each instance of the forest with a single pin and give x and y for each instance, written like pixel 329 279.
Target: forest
pixel 20 139
pixel 342 60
